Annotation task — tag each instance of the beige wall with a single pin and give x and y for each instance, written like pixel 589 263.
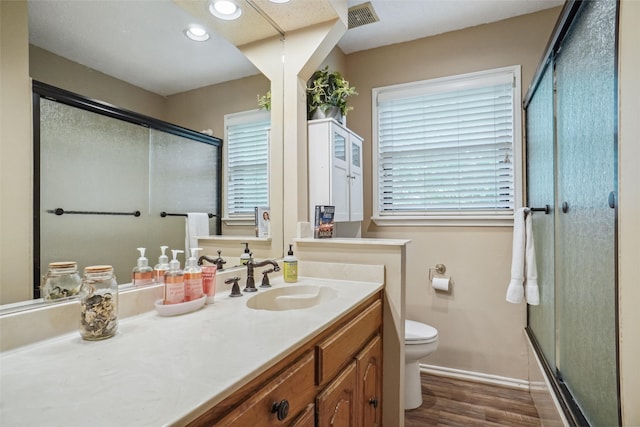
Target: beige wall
pixel 478 330
pixel 16 186
pixel 629 210
pixel 57 71
pixel 204 108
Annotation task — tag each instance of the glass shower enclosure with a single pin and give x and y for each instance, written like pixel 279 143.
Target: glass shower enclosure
pixel 572 167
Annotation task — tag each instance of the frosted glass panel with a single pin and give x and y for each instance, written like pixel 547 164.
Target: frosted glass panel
pixel 183 179
pixel 91 162
pixel 586 232
pixel 540 174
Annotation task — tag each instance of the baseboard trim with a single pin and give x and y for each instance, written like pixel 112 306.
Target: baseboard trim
pixel 475 376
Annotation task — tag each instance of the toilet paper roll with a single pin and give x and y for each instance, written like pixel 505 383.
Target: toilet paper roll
pixel 441 283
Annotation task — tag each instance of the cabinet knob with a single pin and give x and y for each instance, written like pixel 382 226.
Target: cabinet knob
pixel 373 402
pixel 280 409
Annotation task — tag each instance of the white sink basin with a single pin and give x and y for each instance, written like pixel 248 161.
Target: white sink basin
pixel 296 297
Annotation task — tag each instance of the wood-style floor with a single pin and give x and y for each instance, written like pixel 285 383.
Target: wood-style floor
pixel 454 402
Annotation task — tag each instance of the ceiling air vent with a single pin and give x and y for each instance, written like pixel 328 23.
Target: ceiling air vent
pixel 362 14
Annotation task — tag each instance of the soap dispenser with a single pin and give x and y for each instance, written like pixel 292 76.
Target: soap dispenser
pixel 246 256
pixel 290 267
pixel 193 277
pixel 162 266
pixel 174 281
pixel 142 273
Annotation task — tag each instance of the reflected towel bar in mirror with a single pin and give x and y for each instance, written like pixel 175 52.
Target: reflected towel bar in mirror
pixel 60 211
pixel 165 214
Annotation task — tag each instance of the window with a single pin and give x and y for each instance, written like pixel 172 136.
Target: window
pixel 447 151
pixel 247 163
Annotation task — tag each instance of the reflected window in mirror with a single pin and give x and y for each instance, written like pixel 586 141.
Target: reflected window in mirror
pixel 247 163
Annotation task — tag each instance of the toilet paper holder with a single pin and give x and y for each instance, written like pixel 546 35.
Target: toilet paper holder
pixel 439 268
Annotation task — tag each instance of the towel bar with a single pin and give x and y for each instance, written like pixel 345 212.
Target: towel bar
pixel 546 209
pixel 60 211
pixel 164 214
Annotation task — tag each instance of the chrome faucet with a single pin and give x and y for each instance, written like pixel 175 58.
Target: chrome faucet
pixel 251 264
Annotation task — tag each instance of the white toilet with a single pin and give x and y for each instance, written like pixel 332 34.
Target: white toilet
pixel 420 340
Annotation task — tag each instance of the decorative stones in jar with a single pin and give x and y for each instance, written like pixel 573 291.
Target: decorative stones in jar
pixel 98 303
pixel 61 282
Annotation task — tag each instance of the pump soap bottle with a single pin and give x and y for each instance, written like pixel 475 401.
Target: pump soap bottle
pixel 246 256
pixel 290 264
pixel 193 277
pixel 162 266
pixel 174 281
pixel 142 273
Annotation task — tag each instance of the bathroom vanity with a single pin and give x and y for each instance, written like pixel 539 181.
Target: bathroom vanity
pixel 337 375
pixel 229 363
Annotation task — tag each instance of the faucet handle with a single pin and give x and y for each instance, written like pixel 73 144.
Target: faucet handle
pixel 235 289
pixel 265 278
pixel 219 262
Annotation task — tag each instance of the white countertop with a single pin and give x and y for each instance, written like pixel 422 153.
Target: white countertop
pixel 160 370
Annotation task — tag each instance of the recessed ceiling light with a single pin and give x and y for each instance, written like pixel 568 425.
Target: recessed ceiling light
pixel 279 1
pixel 225 9
pixel 197 33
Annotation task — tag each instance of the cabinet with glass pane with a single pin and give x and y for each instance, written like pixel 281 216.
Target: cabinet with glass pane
pixel 335 169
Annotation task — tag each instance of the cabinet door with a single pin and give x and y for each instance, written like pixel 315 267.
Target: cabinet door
pixel 337 404
pixel 369 372
pixel 355 181
pixel 340 180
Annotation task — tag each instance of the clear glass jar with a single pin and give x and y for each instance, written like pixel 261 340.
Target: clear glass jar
pixel 61 282
pixel 98 303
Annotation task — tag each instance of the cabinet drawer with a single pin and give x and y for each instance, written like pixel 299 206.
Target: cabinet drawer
pixel 295 386
pixel 334 352
pixel 307 418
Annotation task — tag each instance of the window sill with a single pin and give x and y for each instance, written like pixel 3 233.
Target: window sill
pixel 444 221
pixel 240 221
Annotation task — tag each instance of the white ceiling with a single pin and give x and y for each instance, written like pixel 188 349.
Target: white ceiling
pixel 142 41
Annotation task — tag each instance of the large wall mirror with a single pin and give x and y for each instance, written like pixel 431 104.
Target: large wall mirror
pixel 135 55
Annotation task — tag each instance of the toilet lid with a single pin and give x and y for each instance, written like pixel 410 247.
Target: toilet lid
pixel 416 331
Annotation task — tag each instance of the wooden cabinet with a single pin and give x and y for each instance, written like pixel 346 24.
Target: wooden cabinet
pixel 369 377
pixel 335 169
pixel 288 393
pixel 334 379
pixel 338 402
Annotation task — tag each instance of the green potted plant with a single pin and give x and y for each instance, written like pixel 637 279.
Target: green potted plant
pixel 327 94
pixel 264 101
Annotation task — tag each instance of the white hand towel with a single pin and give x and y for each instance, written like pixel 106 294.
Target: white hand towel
pixel 197 224
pixel 531 292
pixel 515 290
pixel 523 260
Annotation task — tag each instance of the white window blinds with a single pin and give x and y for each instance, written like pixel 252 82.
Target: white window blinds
pixel 247 160
pixel 447 146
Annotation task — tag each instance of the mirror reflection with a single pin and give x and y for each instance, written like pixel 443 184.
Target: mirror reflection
pixel 135 55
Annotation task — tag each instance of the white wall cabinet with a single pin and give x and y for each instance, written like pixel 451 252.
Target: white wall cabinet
pixel 335 170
